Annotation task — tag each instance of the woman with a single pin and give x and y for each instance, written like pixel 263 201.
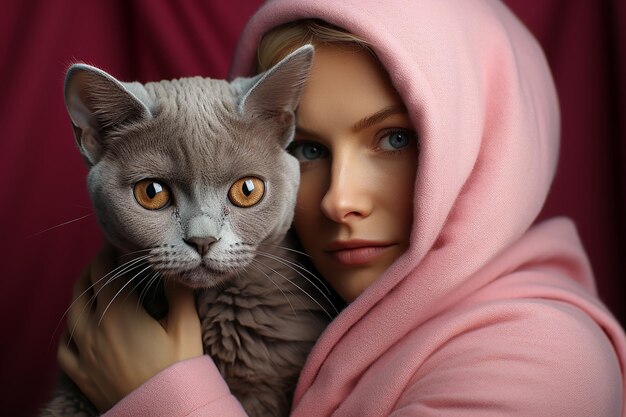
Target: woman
pixel 458 305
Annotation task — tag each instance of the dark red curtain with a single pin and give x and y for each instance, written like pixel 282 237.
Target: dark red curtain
pixel 49 234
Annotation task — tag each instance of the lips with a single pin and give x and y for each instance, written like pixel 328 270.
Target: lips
pixel 357 252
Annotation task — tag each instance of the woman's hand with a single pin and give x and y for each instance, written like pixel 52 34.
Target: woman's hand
pixel 109 355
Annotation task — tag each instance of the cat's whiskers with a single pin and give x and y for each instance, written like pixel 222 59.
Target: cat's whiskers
pixel 122 269
pixel 144 292
pixel 135 287
pixel 144 278
pixel 294 266
pixel 119 292
pixel 297 265
pixel 300 288
pixel 249 249
pixel 59 225
pixel 230 265
pixel 126 267
pixel 132 264
pixel 285 248
pixel 123 255
pixel 273 282
pixel 168 258
pixel 113 271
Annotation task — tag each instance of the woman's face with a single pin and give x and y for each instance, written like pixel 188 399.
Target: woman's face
pixel 358 154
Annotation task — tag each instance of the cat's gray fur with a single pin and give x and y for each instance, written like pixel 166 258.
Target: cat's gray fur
pixel 261 313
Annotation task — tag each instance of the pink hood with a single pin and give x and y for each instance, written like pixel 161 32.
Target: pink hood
pixel 482 99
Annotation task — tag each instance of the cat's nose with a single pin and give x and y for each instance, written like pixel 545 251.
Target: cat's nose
pixel 201 244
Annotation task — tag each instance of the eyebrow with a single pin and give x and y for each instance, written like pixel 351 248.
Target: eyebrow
pixel 378 117
pixel 365 122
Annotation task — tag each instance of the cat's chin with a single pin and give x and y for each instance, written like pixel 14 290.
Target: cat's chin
pixel 202 277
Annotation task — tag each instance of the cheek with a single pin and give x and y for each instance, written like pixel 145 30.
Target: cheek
pixel 406 194
pixel 400 185
pixel 308 205
pixel 393 177
pixel 397 185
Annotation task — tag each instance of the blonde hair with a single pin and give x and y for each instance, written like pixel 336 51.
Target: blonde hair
pixel 281 40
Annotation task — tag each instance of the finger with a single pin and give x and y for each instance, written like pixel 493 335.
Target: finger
pixel 182 315
pixel 103 272
pixel 120 303
pixel 82 287
pixel 112 285
pixel 70 363
pixel 82 291
pixel 67 357
pixel 79 312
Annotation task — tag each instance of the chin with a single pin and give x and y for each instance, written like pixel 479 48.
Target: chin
pixel 201 277
pixel 350 285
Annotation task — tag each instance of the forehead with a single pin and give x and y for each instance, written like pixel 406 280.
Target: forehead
pixel 186 142
pixel 346 84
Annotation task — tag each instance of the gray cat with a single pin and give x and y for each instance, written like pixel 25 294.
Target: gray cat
pixel 192 176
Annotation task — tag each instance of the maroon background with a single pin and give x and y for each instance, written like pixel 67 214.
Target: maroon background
pixel 42 177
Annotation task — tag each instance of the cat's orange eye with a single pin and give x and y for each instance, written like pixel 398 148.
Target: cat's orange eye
pixel 151 194
pixel 246 192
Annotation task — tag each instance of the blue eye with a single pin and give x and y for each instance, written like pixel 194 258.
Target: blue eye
pixel 396 139
pixel 307 151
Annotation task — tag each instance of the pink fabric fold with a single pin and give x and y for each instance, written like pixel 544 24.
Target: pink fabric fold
pixel 193 387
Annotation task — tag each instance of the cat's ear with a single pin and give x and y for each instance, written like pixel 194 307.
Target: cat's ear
pixel 97 102
pixel 276 92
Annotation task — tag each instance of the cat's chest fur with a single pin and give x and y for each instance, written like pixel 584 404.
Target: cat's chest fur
pixel 259 330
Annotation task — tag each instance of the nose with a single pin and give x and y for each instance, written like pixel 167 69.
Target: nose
pixel 201 244
pixel 347 197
